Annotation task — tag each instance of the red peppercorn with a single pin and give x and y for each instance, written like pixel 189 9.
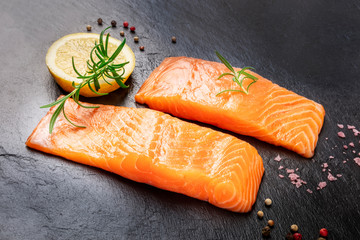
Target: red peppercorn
pixel 125 24
pixel 132 28
pixel 323 232
pixel 297 236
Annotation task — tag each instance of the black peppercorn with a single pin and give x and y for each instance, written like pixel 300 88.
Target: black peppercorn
pixel 289 236
pixel 266 231
pixel 173 39
pixel 113 23
pixel 99 21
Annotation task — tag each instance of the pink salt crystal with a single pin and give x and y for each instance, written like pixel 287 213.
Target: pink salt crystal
pixel 356 132
pixel 323 169
pixel 317 188
pixel 354 151
pixel 290 170
pixel 297 169
pixel 277 158
pixel 340 125
pixel 345 147
pixel 344 161
pixel 350 127
pixel 326 138
pixel 329 170
pixel 341 134
pixel 331 177
pixel 357 160
pixel 309 191
pixel 351 144
pixel 331 157
pixel 325 165
pixel 321 185
pixel 281 176
pixel 298 184
pixel 281 167
pixel 293 176
pixel 339 175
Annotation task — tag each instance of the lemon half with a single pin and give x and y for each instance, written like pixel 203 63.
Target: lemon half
pixel 79 45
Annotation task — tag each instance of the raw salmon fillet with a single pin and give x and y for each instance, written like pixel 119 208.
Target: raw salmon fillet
pixel 155 148
pixel 187 88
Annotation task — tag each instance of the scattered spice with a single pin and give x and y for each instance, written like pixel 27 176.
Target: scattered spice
pixel 132 28
pixel 173 39
pixel 323 232
pixel 357 160
pixel 277 158
pixel 260 214
pixel 289 236
pixel 268 202
pixel 266 231
pixel 125 24
pixel 297 236
pixel 341 134
pixel 294 228
pixel 136 39
pixel 100 21
pixel 122 33
pixel 331 177
pixel 321 185
pixel 142 48
pixel 88 27
pixel 113 23
pixel 271 223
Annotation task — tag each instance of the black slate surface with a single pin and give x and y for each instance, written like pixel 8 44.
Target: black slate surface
pixel 309 47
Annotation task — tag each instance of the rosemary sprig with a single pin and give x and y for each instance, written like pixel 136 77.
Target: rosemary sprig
pixel 100 69
pixel 238 76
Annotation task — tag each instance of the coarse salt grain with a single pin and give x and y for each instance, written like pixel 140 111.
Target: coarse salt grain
pixel 281 176
pixel 324 165
pixel 339 175
pixel 340 125
pixel 331 157
pixel 293 176
pixel 350 127
pixel 341 134
pixel 281 167
pixel 324 169
pixel 290 171
pixel 321 185
pixel 356 132
pixel 309 191
pixel 345 147
pixel 277 158
pixel 357 160
pixel 354 151
pixel 351 144
pixel 344 161
pixel 297 169
pixel 331 177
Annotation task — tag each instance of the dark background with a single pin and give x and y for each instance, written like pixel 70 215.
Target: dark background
pixel 309 47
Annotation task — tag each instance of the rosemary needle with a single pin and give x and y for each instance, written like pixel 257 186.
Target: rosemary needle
pixel 238 76
pixel 103 68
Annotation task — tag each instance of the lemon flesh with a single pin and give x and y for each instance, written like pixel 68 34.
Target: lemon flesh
pixel 79 45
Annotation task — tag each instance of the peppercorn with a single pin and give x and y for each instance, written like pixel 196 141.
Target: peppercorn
pixel 271 223
pixel 323 232
pixel 268 202
pixel 294 228
pixel 122 33
pixel 266 231
pixel 289 236
pixel 321 238
pixel 142 48
pixel 132 28
pixel 125 24
pixel 297 236
pixel 113 23
pixel 88 27
pixel 136 39
pixel 173 39
pixel 100 21
pixel 260 214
